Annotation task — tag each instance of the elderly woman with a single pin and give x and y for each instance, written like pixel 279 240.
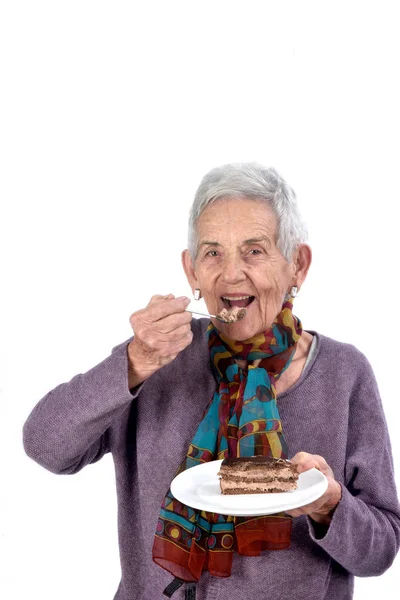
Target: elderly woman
pixel 183 392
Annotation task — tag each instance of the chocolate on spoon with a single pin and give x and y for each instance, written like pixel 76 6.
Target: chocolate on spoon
pixel 231 315
pixel 226 315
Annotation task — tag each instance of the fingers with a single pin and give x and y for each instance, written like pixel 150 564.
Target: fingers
pixel 305 461
pixel 306 509
pixel 162 330
pixel 174 322
pixel 161 307
pixel 324 505
pixel 169 347
pixel 173 325
pixel 327 502
pixel 179 334
pixel 160 297
pixel 184 340
pixel 155 339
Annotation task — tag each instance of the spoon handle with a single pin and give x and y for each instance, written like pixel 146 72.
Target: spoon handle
pixel 194 312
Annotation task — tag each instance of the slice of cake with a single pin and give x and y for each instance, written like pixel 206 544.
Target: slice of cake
pixel 257 475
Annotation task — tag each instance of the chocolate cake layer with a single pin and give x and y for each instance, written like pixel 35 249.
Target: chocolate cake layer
pixel 251 461
pixel 231 492
pixel 257 475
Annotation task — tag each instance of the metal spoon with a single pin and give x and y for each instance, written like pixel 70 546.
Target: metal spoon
pixel 240 316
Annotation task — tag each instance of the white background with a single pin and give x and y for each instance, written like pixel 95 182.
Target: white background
pixel 111 112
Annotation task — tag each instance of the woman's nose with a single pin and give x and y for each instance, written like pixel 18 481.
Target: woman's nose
pixel 232 271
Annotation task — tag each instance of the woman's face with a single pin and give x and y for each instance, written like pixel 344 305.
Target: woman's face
pixel 239 264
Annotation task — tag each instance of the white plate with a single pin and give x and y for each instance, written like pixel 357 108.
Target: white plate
pixel 199 488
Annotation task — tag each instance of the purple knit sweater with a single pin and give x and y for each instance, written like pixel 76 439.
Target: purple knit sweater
pixel 334 410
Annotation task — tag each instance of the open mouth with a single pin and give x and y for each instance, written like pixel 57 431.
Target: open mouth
pixel 239 301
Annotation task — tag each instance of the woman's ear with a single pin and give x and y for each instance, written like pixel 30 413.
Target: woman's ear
pixel 188 267
pixel 302 260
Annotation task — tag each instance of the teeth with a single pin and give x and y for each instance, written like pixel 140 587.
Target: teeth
pixel 230 298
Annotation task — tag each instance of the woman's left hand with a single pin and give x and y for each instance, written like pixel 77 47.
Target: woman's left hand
pixel 321 510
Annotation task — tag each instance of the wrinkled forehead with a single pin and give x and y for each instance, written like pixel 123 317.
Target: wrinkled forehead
pixel 236 220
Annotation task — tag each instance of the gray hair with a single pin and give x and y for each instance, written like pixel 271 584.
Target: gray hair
pixel 253 181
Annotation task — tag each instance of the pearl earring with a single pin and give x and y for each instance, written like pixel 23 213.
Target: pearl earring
pixel 293 292
pixel 197 294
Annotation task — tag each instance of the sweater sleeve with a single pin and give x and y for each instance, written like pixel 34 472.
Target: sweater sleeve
pixel 364 534
pixel 69 427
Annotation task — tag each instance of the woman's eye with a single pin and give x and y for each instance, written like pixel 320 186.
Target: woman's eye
pixel 255 252
pixel 212 253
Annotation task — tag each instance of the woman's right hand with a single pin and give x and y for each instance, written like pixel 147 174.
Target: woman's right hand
pixel 162 330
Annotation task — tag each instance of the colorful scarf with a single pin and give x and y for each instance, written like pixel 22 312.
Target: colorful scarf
pixel 242 419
